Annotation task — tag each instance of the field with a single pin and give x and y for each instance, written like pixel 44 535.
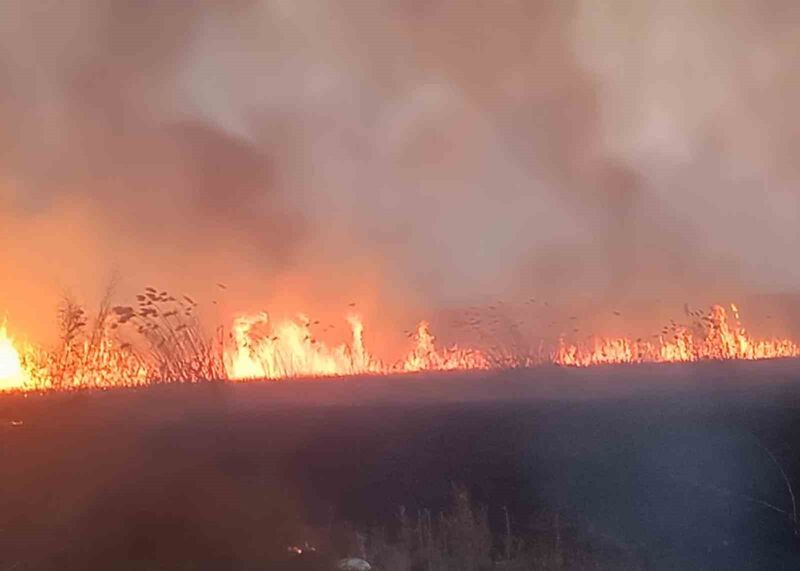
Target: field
pixel 671 466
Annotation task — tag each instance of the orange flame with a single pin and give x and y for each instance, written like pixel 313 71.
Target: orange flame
pixel 425 356
pixel 12 374
pixel 262 349
pixel 714 337
pixel 289 349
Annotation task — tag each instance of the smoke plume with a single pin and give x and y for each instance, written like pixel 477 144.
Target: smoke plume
pixel 405 153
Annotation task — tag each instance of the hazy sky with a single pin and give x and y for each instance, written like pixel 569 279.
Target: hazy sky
pixel 408 153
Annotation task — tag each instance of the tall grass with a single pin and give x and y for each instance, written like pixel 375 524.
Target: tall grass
pixel 176 347
pixel 87 354
pixel 460 538
pixel 159 340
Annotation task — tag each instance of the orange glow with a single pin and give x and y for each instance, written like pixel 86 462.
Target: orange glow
pixel 98 363
pixel 289 349
pixel 260 348
pixel 12 374
pixel 714 336
pixel 425 356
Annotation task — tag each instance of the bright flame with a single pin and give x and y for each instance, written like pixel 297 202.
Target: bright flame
pixel 289 349
pixel 713 337
pixel 98 363
pixel 260 348
pixel 12 374
pixel 425 357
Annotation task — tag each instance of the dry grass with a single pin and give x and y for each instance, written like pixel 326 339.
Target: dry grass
pixel 176 348
pixel 88 355
pixel 461 539
pixel 160 340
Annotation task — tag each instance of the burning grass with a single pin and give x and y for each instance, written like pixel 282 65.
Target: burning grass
pixel 713 335
pixel 290 349
pixel 161 339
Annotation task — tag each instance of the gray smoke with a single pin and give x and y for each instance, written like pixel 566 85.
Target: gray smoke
pixel 618 150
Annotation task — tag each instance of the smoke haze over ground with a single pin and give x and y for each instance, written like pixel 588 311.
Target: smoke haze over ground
pixel 398 153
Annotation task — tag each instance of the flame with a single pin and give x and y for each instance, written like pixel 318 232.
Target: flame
pixel 715 336
pixel 290 349
pixel 425 356
pixel 12 374
pixel 261 348
pixel 98 363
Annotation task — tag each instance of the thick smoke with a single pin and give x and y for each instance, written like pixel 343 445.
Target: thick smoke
pixel 401 153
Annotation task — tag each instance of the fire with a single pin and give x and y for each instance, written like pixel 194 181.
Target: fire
pixel 290 349
pixel 173 348
pixel 12 374
pixel 425 356
pixel 715 336
pixel 100 364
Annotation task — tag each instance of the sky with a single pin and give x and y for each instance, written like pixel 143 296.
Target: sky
pixel 403 155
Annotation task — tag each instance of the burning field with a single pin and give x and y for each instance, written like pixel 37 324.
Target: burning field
pixel 457 230
pixel 161 340
pixel 372 172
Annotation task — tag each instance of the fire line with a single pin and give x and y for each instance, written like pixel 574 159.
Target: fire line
pixel 259 348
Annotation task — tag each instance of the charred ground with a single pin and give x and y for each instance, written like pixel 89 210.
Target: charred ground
pixel 665 465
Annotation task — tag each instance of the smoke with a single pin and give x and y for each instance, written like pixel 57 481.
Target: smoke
pixel 407 153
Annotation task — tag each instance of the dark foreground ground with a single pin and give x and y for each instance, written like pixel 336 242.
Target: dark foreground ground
pixel 667 464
